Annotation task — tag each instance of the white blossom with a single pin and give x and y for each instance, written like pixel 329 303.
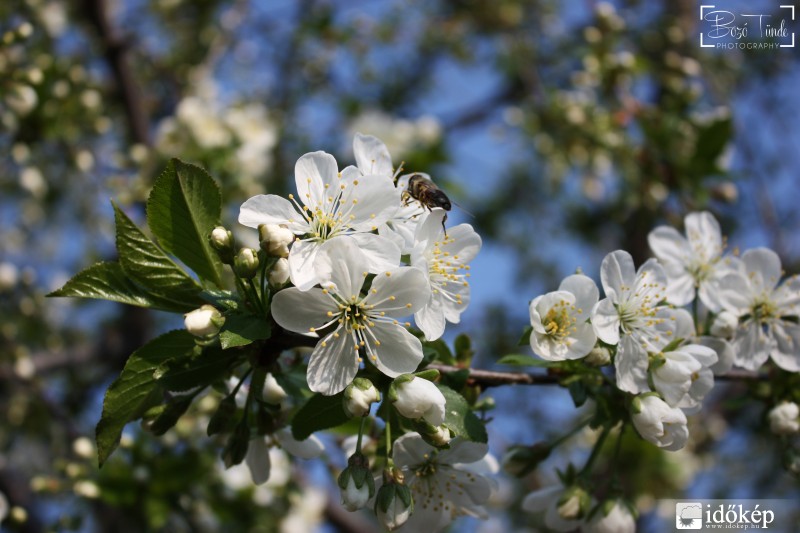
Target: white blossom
pixel 275 239
pixel 359 397
pixel 659 423
pixel 444 258
pixel 279 274
pixel 630 316
pixel 547 500
pixel 369 322
pixel 331 205
pixel 692 263
pixel 259 460
pixel 616 518
pixel 447 483
pixel 767 312
pixel 420 398
pixel 784 418
pixel 273 393
pixel 560 320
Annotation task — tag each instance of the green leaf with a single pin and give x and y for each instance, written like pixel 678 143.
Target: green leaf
pixel 441 350
pixel 524 360
pixel 129 395
pixel 525 340
pixel 241 330
pixel 174 410
pixel 192 370
pixel 147 265
pixel 460 418
pixel 463 349
pixel 105 281
pixel 578 391
pixel 318 413
pixel 184 206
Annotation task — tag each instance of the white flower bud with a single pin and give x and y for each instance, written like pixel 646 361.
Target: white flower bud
pixel 784 418
pixel 599 356
pixel 245 264
pixel 724 325
pixel 359 396
pixel 204 321
pixel 275 239
pixel 356 483
pixel 354 498
pixel 574 504
pixel 393 505
pixel 613 517
pixel 441 436
pixel 279 274
pixel 273 393
pixel 419 398
pixel 659 423
pixel 221 238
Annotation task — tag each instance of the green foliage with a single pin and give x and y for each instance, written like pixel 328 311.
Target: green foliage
pixel 182 209
pixel 197 368
pixel 525 360
pixel 460 418
pixel 134 390
pixel 318 413
pixel 241 330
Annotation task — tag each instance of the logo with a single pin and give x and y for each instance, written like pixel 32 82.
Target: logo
pixel 753 31
pixel 689 515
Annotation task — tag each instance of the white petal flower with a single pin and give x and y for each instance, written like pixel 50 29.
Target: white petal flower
pixel 784 418
pixel 273 393
pixel 546 500
pixel 767 313
pixel 560 320
pixel 691 262
pixel 661 424
pixel 310 448
pixel 420 398
pixel 445 484
pixel 445 260
pixel 617 519
pixel 330 205
pixel 369 322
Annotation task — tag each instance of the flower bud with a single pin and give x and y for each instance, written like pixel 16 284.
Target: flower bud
pixel 205 321
pixel 724 325
pixel 574 504
pixel 222 241
pixel 599 356
pixel 393 505
pixel 273 393
pixel 418 398
pixel 522 460
pixel 279 274
pixel 356 483
pixel 784 418
pixel 359 396
pixel 245 264
pixel 612 517
pixel 275 239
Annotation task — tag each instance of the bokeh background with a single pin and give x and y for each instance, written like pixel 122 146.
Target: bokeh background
pixel 564 130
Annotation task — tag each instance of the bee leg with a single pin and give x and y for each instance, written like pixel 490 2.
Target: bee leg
pixel 406 198
pixel 444 219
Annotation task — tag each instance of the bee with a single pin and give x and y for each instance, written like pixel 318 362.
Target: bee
pixel 428 194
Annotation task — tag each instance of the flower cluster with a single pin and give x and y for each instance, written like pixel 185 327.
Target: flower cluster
pixel 349 230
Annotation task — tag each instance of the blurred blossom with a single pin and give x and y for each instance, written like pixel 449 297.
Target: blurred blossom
pixel 87 489
pixel 53 16
pixel 9 275
pixel 21 99
pixel 3 507
pixel 32 180
pixel 306 511
pixel 83 447
pixel 401 136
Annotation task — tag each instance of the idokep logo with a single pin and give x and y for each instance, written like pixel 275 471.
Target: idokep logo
pixel 724 29
pixel 689 515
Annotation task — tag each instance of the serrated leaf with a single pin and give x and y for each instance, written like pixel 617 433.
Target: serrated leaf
pixel 460 418
pixel 128 395
pixel 184 206
pixel 105 281
pixel 442 351
pixel 524 360
pixel 318 413
pixel 190 370
pixel 148 266
pixel 241 330
pixel 174 410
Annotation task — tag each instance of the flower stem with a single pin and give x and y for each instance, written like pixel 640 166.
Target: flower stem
pixel 256 299
pixel 388 432
pixel 595 452
pixel 360 432
pixel 239 385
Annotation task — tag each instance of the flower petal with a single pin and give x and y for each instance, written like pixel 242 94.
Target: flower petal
pixel 605 321
pixel 786 352
pixel 311 173
pixel 618 275
pixel 585 291
pixel 430 319
pixel 309 448
pixel 669 245
pixel 704 235
pixel 751 345
pixel 271 209
pixel 539 500
pixel 341 257
pixel 631 363
pixel 399 292
pixel 257 460
pixel 411 450
pixel 372 156
pixel 400 352
pixel 303 268
pixel 333 363
pixel 368 201
pixel 381 254
pixel 763 267
pixel 299 311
